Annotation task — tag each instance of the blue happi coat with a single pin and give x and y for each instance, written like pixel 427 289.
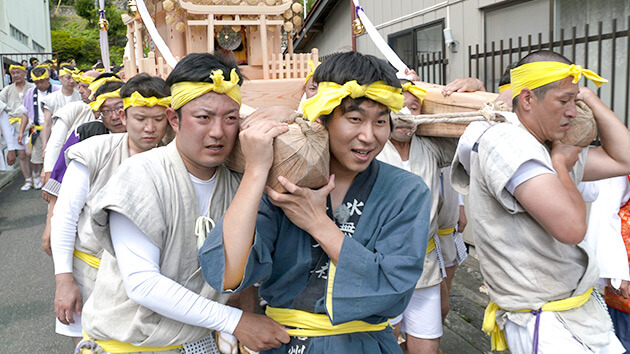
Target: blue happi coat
pixel 380 261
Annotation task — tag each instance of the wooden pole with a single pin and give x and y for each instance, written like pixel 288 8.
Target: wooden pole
pixel 265 48
pixel 138 34
pixel 131 69
pixel 211 33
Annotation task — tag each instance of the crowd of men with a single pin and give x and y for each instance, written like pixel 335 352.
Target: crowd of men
pixel 158 247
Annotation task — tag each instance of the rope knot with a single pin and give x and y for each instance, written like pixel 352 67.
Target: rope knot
pixel 575 70
pixel 203 225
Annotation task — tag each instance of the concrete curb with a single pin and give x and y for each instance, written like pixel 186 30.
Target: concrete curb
pixel 7 176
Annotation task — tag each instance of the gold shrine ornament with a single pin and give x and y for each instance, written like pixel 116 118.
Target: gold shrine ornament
pixel 132 8
pixel 103 24
pixel 357 26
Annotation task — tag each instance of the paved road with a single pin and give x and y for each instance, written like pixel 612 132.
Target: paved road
pixel 26 276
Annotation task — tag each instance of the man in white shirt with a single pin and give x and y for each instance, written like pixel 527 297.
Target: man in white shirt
pixel 76 253
pixel 153 215
pixel 33 118
pixel 529 218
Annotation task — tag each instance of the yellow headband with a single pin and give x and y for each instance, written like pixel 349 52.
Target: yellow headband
pixel 186 91
pixel 100 99
pixel 310 74
pixel 330 94
pixel 504 87
pixel 414 90
pixel 17 67
pixel 137 100
pixel 100 82
pixel 540 73
pixel 43 76
pixel 84 79
pixel 65 71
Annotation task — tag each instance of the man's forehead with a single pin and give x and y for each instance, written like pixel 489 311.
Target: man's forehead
pixel 113 102
pixel 566 86
pixel 212 102
pixel 147 112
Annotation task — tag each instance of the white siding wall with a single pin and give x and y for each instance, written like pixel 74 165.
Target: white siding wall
pixel 337 34
pixel 466 22
pixel 31 17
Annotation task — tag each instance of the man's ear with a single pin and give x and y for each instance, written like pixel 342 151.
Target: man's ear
pixel 525 99
pixel 173 119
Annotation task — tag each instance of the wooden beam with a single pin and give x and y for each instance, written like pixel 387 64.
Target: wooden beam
pixel 234 9
pixel 138 35
pixel 133 68
pixel 264 46
pixel 211 34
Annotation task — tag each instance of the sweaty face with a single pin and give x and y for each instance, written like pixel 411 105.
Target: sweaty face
pixel 206 132
pixel 310 88
pixel 84 91
pixel 111 115
pixel 42 85
pixel 404 131
pixel 554 110
pixel 18 75
pixel 357 136
pixel 146 126
pixel 67 81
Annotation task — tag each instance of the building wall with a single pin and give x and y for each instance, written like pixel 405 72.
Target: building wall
pixel 32 18
pixel 464 18
pixel 337 33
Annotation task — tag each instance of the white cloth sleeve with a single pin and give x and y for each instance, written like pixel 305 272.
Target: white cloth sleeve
pixel 55 143
pixel 528 170
pixel 467 140
pixel 603 236
pixel 138 261
pixel 588 190
pixel 63 224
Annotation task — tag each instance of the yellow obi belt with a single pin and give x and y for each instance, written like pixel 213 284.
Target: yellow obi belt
pixel 14 120
pixel 114 346
pixel 497 337
pixel 91 260
pixel 431 245
pixel 448 231
pixel 309 324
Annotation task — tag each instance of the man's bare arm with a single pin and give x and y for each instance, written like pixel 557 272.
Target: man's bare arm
pixel 553 200
pixel 612 158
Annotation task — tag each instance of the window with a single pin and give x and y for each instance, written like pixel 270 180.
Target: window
pixel 38 48
pixel 19 35
pixel 417 46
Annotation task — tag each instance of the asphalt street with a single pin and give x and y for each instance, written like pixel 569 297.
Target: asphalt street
pixel 27 320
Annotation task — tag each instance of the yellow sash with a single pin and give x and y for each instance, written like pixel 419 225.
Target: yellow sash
pixel 114 346
pixel 317 325
pixel 431 245
pixel 448 231
pixel 15 120
pixel 33 128
pixel 497 337
pixel 91 260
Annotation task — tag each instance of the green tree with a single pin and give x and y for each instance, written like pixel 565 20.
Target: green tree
pixel 80 39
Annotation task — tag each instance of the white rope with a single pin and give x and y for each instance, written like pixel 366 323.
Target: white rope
pixel 203 225
pixel 487 113
pixel 155 35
